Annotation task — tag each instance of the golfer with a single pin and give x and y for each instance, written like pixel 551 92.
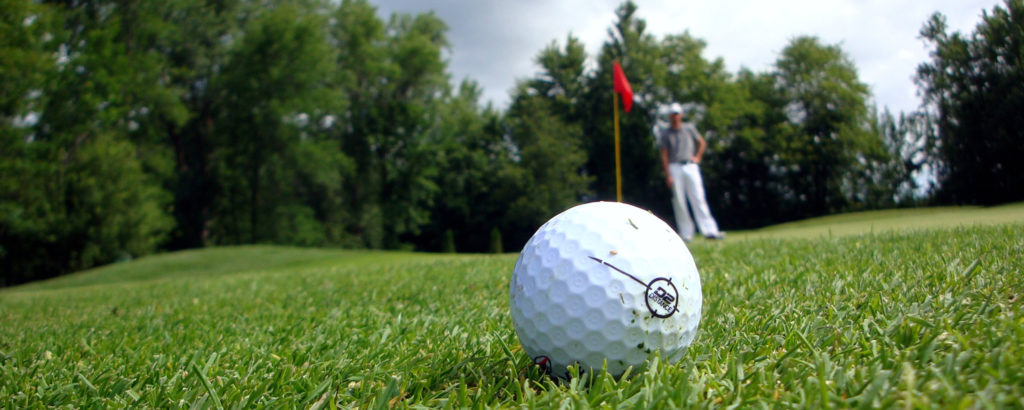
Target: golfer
pixel 681 150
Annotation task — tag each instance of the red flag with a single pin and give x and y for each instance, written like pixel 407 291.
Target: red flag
pixel 622 86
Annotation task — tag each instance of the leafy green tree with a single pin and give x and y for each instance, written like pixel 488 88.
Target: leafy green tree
pixel 478 178
pixel 448 241
pixel 896 179
pixel 82 195
pixel 27 42
pixel 363 66
pixel 972 88
pixel 25 215
pixel 196 47
pixel 87 206
pixel 394 78
pixel 112 208
pixel 407 152
pixel 742 134
pixel 495 244
pixel 271 161
pixel 112 70
pixel 551 160
pixel 563 81
pixel 826 138
pixel 545 123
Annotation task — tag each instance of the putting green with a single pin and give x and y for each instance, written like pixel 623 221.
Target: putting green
pixel 858 223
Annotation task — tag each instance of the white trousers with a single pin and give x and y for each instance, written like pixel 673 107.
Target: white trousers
pixel 687 185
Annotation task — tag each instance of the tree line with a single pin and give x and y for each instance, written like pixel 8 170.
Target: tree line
pixel 129 127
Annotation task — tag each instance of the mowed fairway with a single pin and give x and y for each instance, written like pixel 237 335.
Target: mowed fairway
pixel 927 315
pixel 892 220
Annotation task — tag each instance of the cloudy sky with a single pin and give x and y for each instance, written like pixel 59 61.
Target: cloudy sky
pixel 495 41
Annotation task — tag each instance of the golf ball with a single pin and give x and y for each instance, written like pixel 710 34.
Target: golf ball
pixel 604 282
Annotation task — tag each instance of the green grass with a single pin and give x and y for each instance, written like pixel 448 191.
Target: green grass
pixel 219 262
pixel 891 220
pixel 909 318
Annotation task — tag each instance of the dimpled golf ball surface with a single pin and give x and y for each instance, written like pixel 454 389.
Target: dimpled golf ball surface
pixel 604 281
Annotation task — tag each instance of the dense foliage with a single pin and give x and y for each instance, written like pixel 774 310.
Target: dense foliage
pixel 128 127
pixel 974 90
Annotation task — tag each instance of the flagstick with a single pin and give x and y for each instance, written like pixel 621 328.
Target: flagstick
pixel 618 158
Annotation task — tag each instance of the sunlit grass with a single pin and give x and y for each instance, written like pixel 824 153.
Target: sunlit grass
pixel 891 220
pixel 921 318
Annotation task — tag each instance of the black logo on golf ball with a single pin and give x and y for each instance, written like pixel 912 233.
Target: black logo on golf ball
pixel 662 297
pixel 544 363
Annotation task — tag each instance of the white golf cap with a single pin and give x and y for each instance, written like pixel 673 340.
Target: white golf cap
pixel 675 108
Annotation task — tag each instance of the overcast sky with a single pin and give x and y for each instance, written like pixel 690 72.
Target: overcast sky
pixel 495 41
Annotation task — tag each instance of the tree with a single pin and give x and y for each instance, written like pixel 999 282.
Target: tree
pixel 896 180
pixel 394 77
pixel 478 177
pixel 79 193
pixel 272 160
pixel 545 123
pixel 550 158
pixel 196 49
pixel 24 29
pixel 25 216
pixel 495 243
pixel 972 85
pixel 168 53
pixel 562 80
pixel 743 139
pixel 826 138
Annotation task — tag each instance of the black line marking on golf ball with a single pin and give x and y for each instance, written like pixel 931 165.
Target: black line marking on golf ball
pixel 618 270
pixel 544 363
pixel 665 297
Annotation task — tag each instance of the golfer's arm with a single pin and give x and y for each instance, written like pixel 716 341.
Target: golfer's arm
pixel 701 145
pixel 664 160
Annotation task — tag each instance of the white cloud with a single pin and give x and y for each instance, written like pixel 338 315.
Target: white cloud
pixel 495 42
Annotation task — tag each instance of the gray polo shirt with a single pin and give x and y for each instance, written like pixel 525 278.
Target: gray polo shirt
pixel 681 144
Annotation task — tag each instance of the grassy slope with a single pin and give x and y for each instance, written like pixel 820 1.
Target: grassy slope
pixel 926 317
pixel 215 262
pixel 891 220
